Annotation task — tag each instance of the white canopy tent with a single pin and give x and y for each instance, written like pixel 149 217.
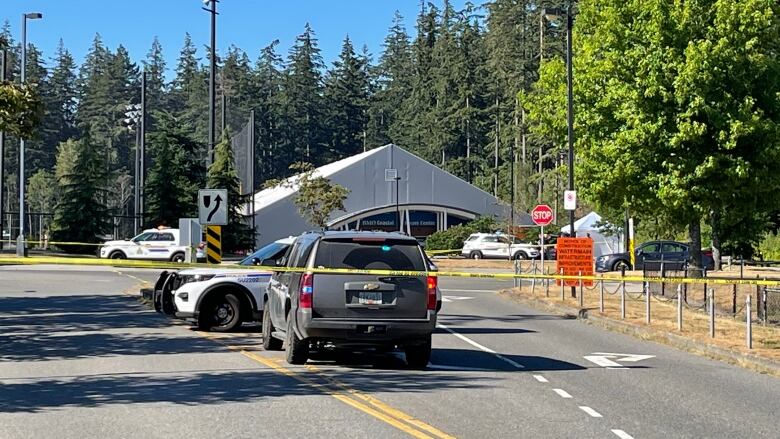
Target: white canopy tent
pixel 602 245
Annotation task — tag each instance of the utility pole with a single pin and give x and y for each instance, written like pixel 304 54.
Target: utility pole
pixel 212 79
pixel 3 54
pixel 142 171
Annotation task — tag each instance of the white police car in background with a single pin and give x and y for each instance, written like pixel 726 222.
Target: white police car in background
pixel 161 244
pixel 219 299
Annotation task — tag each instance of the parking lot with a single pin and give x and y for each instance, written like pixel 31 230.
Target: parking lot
pixel 79 353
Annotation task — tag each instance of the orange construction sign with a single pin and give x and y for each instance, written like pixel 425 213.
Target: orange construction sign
pixel 574 258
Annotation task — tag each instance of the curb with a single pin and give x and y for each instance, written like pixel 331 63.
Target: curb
pixel 737 358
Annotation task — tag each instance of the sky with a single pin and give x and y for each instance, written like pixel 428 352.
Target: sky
pixel 248 24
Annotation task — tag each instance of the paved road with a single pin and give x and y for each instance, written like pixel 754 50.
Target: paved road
pixel 76 356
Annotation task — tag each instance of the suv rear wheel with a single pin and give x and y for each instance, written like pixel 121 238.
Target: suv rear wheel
pixel 475 255
pixel 297 350
pixel 177 258
pixel 418 355
pixel 269 342
pixel 520 256
pixel 118 255
pixel 221 313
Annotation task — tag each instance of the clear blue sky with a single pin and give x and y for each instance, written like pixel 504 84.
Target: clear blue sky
pixel 249 24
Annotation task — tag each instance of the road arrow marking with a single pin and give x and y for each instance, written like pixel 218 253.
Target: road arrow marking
pixel 216 207
pixel 605 359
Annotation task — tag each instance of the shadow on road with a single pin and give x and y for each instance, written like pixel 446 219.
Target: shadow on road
pixel 456 319
pixel 199 389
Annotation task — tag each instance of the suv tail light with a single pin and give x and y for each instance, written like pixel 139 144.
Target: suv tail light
pixel 307 289
pixel 433 282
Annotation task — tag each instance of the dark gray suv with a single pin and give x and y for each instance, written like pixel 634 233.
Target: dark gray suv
pixel 316 311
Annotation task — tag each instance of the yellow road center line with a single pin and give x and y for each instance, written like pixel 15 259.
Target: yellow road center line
pixel 382 406
pixel 339 395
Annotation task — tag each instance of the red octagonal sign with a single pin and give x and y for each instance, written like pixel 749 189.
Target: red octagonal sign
pixel 542 215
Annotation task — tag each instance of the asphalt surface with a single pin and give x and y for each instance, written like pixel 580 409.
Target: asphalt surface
pixel 80 357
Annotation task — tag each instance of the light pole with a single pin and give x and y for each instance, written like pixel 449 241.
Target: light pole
pixel 2 161
pixel 552 14
pixel 21 246
pixel 133 123
pixel 212 78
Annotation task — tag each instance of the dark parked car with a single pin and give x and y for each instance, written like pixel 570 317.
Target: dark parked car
pixel 656 251
pixel 317 311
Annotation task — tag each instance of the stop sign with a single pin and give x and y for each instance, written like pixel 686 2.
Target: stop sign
pixel 542 215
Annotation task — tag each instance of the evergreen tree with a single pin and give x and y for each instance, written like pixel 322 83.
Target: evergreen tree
pixel 174 178
pixel 392 83
pixel 59 95
pixel 81 214
pixel 237 235
pixel 304 137
pixel 236 83
pixel 268 84
pixel 154 66
pixel 346 97
pixel 188 97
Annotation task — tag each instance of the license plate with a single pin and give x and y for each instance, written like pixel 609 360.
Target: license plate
pixel 369 298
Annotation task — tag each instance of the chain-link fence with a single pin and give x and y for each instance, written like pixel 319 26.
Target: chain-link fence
pixel 769 307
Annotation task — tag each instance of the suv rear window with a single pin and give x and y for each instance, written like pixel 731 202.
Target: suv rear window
pixel 366 254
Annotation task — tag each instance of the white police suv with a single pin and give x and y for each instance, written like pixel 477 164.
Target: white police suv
pixel 219 299
pixel 160 244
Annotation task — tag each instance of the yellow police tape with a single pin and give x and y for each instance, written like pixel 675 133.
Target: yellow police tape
pixel 125 263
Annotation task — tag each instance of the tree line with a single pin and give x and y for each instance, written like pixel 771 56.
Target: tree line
pixel 673 110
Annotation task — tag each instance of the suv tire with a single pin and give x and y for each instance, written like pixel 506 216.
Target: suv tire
pixel 269 342
pixel 618 265
pixel 475 255
pixel 418 355
pixel 519 256
pixel 117 254
pixel 297 350
pixel 178 258
pixel 221 313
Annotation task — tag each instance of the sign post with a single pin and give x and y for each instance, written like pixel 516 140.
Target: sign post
pixel 213 213
pixel 542 215
pixel 575 256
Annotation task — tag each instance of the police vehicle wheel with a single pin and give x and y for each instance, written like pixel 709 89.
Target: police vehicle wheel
pixel 221 314
pixel 269 342
pixel 118 255
pixel 178 258
pixel 297 350
pixel 475 255
pixel 519 256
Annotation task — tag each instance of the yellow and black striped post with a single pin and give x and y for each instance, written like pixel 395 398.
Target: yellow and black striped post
pixel 214 244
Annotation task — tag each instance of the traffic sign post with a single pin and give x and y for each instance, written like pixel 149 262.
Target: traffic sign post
pixel 542 215
pixel 213 207
pixel 575 257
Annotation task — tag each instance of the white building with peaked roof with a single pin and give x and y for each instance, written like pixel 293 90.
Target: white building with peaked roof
pixel 390 189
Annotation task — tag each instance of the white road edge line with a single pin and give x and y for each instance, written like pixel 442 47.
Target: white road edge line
pixel 562 393
pixel 590 411
pixel 455 290
pixel 622 434
pixel 480 347
pixel 541 379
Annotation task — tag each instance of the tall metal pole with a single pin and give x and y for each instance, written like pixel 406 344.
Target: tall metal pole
pixel 212 82
pixel 21 248
pixel 137 176
pixel 3 54
pixel 142 171
pixel 570 108
pixel 252 173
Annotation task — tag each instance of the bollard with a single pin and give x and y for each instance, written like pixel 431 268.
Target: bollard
pixel 515 281
pixel 663 274
pixel 734 300
pixel 623 294
pixel 601 294
pixel 748 323
pixel 646 287
pixel 533 276
pixel 582 291
pixel 563 292
pixel 711 303
pixel 547 283
pixel 763 304
pixel 679 308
